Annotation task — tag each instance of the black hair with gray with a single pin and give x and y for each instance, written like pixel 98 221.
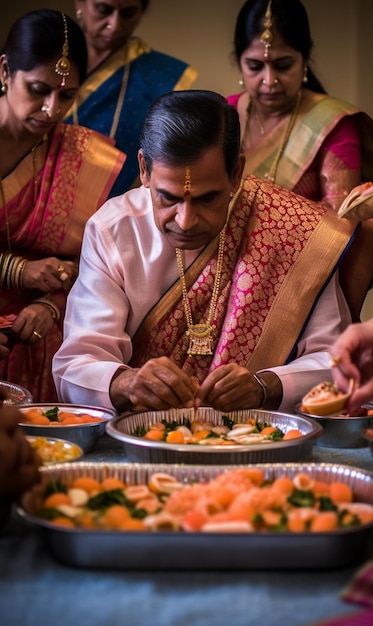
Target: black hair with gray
pixel 181 125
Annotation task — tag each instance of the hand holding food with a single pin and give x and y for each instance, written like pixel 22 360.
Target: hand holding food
pixel 325 399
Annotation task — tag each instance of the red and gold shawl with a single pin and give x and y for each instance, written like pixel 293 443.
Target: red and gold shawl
pixel 280 251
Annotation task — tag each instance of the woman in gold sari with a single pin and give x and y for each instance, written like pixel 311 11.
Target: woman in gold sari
pixel 52 178
pixel 292 132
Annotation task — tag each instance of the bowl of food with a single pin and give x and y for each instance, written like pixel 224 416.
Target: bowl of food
pixel 203 517
pixel 79 424
pixel 12 393
pixel 343 430
pixel 327 405
pixel 53 450
pixel 244 436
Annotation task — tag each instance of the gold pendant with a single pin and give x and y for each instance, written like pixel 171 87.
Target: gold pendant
pixel 200 342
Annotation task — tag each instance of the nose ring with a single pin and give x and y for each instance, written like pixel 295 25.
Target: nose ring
pixel 108 26
pixel 45 108
pixel 275 81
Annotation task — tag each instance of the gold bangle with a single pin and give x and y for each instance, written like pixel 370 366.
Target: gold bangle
pixel 50 306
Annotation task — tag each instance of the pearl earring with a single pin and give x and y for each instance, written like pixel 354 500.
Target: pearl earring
pixel 305 77
pixel 78 14
pixel 4 88
pixel 241 83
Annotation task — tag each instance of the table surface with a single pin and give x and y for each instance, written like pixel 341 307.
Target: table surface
pixel 35 589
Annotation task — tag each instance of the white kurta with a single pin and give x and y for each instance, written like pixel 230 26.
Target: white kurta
pixel 126 265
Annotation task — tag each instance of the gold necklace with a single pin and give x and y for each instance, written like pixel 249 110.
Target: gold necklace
pixel 201 335
pixel 271 175
pixel 2 193
pixel 119 105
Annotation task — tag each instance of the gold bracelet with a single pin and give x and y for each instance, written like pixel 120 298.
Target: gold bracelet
pixel 50 306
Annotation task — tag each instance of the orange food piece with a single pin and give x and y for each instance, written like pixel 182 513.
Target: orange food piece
pixel 154 435
pixel 112 483
pixel 115 517
pixel 193 521
pixel 340 492
pixel 175 436
pixel 283 484
pixel 324 521
pixel 293 433
pixel 55 499
pixel 86 483
pixel 133 524
pixel 202 434
pixel 63 521
pixel 268 430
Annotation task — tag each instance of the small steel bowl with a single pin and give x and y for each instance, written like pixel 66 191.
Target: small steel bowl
pixel 14 394
pixel 83 435
pixel 144 451
pixel 367 435
pixel 341 431
pixel 65 451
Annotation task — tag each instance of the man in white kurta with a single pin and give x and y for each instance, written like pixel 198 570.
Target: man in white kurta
pixel 128 263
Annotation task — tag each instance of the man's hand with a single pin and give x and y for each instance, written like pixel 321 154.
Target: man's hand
pixel 229 387
pixel 158 385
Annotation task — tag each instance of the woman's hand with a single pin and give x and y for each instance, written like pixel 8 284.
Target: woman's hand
pixel 50 274
pixel 32 323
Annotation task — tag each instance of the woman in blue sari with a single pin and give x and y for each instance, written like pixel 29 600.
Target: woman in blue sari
pixel 124 77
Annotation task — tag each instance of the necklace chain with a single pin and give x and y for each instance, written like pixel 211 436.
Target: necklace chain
pixel 272 173
pixel 119 105
pixel 35 177
pixel 201 335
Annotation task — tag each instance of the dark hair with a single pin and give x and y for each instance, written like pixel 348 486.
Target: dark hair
pixel 37 38
pixel 289 19
pixel 181 125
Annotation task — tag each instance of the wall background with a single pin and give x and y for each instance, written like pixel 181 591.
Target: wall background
pixel 201 32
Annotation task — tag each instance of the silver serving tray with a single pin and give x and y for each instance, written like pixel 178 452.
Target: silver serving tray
pixel 202 551
pixel 341 431
pixel 143 450
pixel 84 435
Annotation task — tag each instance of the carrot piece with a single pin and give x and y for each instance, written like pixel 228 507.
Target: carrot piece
pixel 114 517
pixel 63 521
pixel 86 483
pixel 324 521
pixel 55 499
pixel 340 492
pixel 154 435
pixel 112 483
pixel 175 436
pixel 293 433
pixel 268 430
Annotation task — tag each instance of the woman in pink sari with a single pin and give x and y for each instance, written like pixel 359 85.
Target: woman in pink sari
pixel 52 178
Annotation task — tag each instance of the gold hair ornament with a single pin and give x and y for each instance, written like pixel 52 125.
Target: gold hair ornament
pixel 62 66
pixel 266 37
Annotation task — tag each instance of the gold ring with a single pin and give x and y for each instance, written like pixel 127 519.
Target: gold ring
pixel 61 273
pixel 60 269
pixel 38 335
pixel 334 361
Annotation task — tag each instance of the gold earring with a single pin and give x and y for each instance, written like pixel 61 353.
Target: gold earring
pixel 305 77
pixel 4 88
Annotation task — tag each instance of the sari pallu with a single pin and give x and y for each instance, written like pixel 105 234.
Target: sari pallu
pixel 264 301
pixel 76 169
pixel 116 96
pixel 298 169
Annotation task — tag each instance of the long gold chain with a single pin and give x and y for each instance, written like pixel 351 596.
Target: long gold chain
pixel 201 335
pixel 36 185
pixel 119 105
pixel 271 175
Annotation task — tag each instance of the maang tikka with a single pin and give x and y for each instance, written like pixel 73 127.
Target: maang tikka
pixel 62 66
pixel 266 37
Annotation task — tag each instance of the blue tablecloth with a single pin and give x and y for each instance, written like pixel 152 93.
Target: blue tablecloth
pixel 36 590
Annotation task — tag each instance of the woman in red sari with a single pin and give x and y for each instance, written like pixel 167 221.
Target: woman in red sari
pixel 52 178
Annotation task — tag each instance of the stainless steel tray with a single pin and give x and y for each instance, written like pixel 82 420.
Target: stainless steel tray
pixel 143 450
pixel 341 431
pixel 202 551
